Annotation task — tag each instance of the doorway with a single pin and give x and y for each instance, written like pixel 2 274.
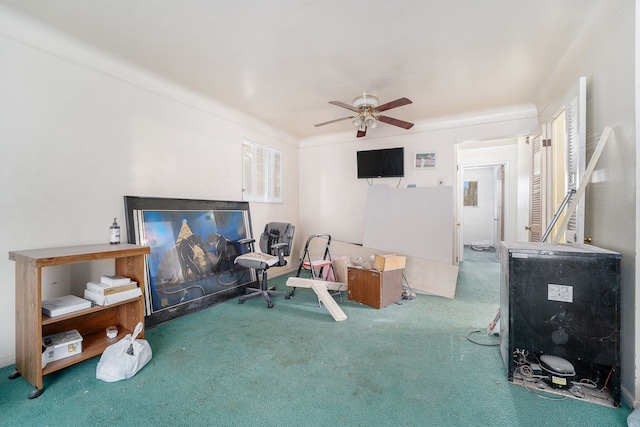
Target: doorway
pixel 483 215
pixel 497 167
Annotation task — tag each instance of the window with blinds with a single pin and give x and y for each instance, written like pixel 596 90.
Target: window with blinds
pixel 261 173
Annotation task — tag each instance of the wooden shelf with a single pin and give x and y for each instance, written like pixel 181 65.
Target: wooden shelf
pixel 46 320
pixel 91 323
pixel 75 254
pixel 92 345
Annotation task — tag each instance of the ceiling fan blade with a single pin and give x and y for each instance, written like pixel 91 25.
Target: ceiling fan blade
pixel 393 104
pixel 395 122
pixel 344 105
pixel 361 133
pixel 333 121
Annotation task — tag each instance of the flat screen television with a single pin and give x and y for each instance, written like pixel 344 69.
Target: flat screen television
pixel 384 163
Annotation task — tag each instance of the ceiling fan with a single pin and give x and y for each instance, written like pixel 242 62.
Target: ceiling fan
pixel 367 109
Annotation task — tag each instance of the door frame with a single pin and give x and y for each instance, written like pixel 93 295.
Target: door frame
pixel 504 188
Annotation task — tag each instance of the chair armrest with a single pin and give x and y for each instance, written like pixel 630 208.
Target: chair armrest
pixel 247 244
pixel 280 247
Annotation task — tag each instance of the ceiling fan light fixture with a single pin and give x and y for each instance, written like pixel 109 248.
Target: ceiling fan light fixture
pixel 370 122
pixel 367 113
pixel 365 100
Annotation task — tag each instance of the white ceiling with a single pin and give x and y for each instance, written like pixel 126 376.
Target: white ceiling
pixel 283 60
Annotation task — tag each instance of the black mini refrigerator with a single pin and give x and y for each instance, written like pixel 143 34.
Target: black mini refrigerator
pixel 564 301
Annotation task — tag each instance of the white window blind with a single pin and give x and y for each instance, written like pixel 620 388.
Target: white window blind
pixel 261 173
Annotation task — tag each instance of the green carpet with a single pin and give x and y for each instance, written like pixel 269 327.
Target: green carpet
pixel 293 365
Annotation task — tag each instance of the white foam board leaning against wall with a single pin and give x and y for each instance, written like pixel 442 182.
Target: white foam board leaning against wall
pixel 411 221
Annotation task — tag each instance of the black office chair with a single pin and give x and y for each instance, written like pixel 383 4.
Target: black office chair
pixel 275 244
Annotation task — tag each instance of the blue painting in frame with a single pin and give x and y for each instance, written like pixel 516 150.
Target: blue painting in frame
pixel 193 247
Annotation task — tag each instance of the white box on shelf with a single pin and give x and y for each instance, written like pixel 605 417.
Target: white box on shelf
pixel 115 280
pixel 64 305
pixel 104 289
pixel 112 298
pixel 61 345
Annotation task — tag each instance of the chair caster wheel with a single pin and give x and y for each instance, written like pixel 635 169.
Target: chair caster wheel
pixel 270 305
pixel 287 297
pixel 240 301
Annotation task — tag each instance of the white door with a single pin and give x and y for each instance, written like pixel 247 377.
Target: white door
pixel 558 155
pixel 458 244
pixel 576 129
pixel 499 206
pixel 537 204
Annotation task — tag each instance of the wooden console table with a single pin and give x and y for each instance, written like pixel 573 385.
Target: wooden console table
pixel 32 324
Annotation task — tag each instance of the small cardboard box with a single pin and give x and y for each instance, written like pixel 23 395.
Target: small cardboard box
pixel 59 346
pixel 389 262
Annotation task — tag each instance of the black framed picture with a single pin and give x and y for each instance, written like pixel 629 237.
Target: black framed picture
pixel 193 248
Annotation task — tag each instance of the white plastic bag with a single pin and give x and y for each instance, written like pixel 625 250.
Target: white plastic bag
pixel 633 420
pixel 124 359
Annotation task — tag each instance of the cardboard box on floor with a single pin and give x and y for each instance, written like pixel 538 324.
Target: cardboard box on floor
pixel 424 276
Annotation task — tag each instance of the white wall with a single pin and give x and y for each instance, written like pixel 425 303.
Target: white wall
pixel 478 223
pixel 333 200
pixel 610 211
pixel 80 130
